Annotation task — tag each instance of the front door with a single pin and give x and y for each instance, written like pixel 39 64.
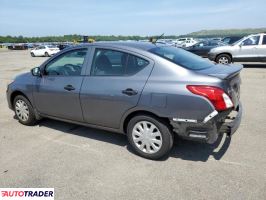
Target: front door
pixel 114 86
pixel 247 51
pixel 262 49
pixel 57 91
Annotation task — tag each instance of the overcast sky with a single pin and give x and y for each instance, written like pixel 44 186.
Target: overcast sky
pixel 122 17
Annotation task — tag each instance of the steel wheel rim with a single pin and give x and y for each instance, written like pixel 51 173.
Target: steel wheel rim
pixel 147 137
pixel 22 110
pixel 223 60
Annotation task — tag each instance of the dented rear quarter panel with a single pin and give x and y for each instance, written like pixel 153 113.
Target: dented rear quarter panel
pixel 169 97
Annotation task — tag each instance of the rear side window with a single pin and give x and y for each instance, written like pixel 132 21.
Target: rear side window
pixel 264 40
pixel 108 62
pixel 181 57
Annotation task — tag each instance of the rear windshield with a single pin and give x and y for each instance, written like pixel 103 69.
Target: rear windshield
pixel 182 57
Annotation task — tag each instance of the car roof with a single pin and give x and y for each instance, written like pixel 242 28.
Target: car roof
pixel 137 45
pixel 255 34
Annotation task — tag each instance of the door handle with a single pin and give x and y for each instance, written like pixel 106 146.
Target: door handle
pixel 69 87
pixel 129 92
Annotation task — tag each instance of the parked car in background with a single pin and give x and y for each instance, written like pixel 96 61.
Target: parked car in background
pixel 231 39
pixel 184 42
pixel 18 47
pixel 44 50
pixel 63 46
pixel 188 43
pixel 202 48
pixel 248 49
pixel 150 92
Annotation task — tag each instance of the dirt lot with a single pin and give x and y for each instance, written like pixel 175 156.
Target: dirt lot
pixel 83 163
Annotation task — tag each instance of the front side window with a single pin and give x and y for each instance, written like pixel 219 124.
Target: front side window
pixel 108 62
pixel 68 64
pixel 254 40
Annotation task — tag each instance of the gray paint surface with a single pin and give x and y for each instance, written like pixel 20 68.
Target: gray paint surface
pixel 99 101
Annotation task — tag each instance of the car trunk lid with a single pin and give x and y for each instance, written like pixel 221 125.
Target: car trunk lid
pixel 222 71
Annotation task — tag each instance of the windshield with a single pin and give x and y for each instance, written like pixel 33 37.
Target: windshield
pixel 236 42
pixel 182 57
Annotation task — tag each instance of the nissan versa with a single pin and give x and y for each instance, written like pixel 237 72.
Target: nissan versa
pixel 151 92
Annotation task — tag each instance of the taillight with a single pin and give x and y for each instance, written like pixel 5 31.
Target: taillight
pixel 219 99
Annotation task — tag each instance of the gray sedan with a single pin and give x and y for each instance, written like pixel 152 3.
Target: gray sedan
pixel 151 92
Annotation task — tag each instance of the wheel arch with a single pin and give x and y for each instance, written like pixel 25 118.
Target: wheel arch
pixel 16 93
pixel 134 113
pixel 227 53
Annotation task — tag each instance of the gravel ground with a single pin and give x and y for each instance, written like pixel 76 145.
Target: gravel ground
pixel 84 163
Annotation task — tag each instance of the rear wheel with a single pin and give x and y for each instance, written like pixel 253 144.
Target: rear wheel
pixel 32 54
pixel 224 59
pixel 149 136
pixel 24 111
pixel 46 54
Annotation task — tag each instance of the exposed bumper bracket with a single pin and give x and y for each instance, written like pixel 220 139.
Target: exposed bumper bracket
pixel 210 116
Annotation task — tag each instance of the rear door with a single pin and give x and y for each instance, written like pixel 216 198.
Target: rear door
pixel 115 84
pixel 248 50
pixel 57 91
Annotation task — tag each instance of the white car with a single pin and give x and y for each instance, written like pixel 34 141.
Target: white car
pixel 184 42
pixel 188 43
pixel 44 50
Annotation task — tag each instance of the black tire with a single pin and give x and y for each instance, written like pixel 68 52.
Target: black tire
pixel 223 57
pixel 165 130
pixel 46 54
pixel 32 54
pixel 31 120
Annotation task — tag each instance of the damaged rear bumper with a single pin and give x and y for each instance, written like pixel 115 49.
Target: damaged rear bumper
pixel 209 128
pixel 233 123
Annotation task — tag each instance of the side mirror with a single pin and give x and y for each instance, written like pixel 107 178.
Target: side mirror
pixel 36 71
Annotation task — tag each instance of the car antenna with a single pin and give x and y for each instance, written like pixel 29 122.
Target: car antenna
pixel 154 40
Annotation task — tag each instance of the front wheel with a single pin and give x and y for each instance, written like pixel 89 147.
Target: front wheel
pixel 24 111
pixel 149 136
pixel 224 59
pixel 32 54
pixel 46 54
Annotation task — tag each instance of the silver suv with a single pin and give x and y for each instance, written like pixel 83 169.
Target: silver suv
pixel 248 49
